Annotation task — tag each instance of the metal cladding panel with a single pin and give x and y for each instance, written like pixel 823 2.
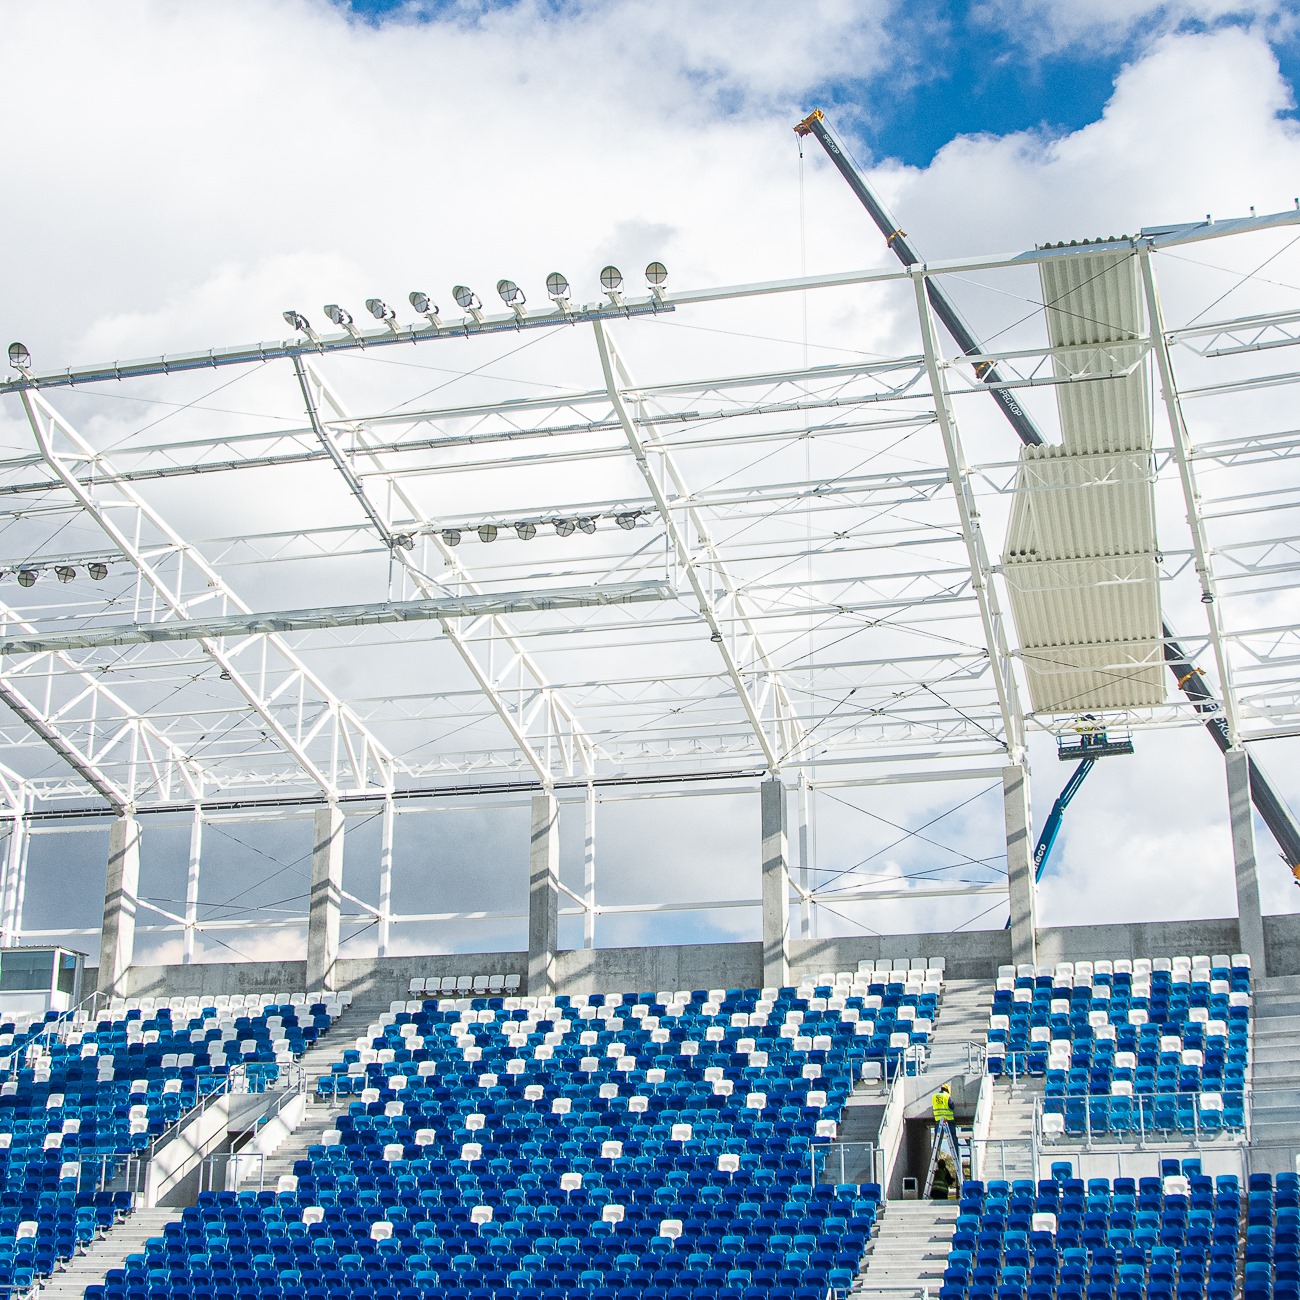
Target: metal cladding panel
pixel 1080 554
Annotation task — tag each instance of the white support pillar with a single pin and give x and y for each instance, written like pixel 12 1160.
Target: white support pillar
pixel 589 872
pixel 326 895
pixel 385 876
pixel 1250 915
pixel 192 885
pixel 543 894
pixel 15 870
pixel 1021 886
pixel 807 852
pixel 20 886
pixel 776 884
pixel 121 902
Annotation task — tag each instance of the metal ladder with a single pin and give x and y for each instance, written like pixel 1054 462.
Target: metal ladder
pixel 943 1134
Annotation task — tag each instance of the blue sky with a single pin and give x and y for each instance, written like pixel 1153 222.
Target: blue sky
pixel 974 68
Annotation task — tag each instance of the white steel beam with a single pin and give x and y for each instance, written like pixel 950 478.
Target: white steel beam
pixel 329 742
pixel 726 611
pixel 539 720
pixel 1191 495
pixel 995 637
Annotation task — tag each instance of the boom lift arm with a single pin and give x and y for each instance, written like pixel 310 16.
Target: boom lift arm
pixel 1268 803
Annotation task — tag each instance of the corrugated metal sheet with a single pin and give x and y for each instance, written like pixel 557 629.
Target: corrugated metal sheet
pixel 1080 554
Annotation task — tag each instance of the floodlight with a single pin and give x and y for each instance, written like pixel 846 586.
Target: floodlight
pixel 424 305
pixel 403 541
pixel 487 532
pixel 565 527
pixel 64 572
pixel 297 321
pixel 627 519
pixel 526 531
pixel 26 577
pixel 716 638
pixel 511 294
pixel 451 536
pixel 611 279
pixel 339 315
pixel 587 524
pixel 656 274
pixel 380 310
pixel 466 298
pixel 97 570
pixel 558 287
pixel 19 357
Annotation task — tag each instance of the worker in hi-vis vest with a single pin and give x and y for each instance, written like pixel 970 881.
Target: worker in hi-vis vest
pixel 942 1103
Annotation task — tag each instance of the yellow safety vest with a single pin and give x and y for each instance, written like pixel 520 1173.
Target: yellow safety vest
pixel 942 1107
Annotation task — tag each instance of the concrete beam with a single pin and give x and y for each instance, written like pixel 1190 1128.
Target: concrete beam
pixel 1021 887
pixel 776 883
pixel 543 895
pixel 121 902
pixel 326 895
pixel 1241 814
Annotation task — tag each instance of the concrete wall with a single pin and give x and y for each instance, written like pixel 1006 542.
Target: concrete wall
pixel 969 955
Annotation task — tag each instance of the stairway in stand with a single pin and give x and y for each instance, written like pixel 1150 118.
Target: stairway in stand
pixel 909 1252
pixel 107 1252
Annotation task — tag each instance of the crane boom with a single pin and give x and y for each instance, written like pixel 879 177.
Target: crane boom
pixel 1268 803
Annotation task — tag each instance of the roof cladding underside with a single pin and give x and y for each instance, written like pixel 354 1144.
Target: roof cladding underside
pixel 1080 559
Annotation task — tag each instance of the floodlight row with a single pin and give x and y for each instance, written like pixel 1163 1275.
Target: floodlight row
pixel 557 288
pixel 526 529
pixel 27 574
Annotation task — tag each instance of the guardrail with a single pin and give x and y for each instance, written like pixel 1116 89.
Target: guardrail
pixel 848 1162
pixel 1143 1119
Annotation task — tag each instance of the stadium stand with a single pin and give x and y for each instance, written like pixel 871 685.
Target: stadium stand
pixel 1272 1245
pixel 85 1091
pixel 610 1146
pixel 1127 1048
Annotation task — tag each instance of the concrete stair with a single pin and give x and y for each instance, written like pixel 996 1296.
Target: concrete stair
pixel 107 1252
pixel 1275 1075
pixel 294 1147
pixel 1010 1150
pixel 909 1252
pixel 963 1018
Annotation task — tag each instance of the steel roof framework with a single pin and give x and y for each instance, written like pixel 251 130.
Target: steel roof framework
pixel 825 623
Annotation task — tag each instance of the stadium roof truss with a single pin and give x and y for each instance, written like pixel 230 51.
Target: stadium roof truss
pixel 670 564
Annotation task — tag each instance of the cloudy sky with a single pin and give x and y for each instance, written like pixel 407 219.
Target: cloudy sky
pixel 180 172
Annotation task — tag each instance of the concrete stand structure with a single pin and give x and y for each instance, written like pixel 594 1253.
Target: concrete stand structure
pixel 1021 886
pixel 326 895
pixel 776 884
pixel 121 902
pixel 543 895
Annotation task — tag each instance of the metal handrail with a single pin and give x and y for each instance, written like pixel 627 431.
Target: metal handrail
pixel 1142 1107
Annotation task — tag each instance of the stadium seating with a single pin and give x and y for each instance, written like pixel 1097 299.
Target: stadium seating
pixel 1271 1253
pixel 610 1146
pixel 1169 1238
pixel 84 1092
pixel 1129 1048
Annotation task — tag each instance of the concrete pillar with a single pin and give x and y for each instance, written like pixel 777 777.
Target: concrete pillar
pixel 589 872
pixel 121 901
pixel 1250 916
pixel 192 886
pixel 776 884
pixel 385 877
pixel 543 895
pixel 1021 886
pixel 326 895
pixel 15 867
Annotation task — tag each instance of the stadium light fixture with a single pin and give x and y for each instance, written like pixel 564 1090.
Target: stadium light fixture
pixel 19 357
pixel 587 524
pixel 513 296
pixel 425 306
pixel 341 317
pixel 403 541
pixel 526 531
pixel 487 532
pixel 656 276
pixel 611 280
pixel 383 313
pixel 64 572
pixel 97 570
pixel 297 321
pixel 26 577
pixel 626 519
pixel 451 536
pixel 565 527
pixel 468 301
pixel 558 289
